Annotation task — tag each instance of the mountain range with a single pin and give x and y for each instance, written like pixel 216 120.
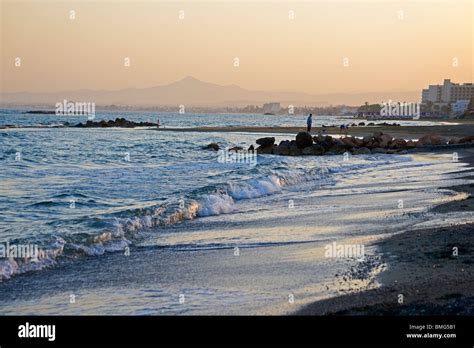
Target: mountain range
pixel 190 91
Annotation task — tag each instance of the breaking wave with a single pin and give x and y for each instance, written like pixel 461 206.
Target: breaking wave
pixel 124 231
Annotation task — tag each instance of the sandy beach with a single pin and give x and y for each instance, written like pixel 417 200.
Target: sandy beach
pixel 463 128
pixel 421 267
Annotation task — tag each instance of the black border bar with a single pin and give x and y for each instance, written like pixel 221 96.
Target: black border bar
pixel 195 330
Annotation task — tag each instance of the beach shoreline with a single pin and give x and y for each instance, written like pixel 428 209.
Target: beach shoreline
pixel 423 274
pixel 465 128
pixel 201 274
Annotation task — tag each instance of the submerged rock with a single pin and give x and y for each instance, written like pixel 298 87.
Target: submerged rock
pixel 211 146
pixel 118 122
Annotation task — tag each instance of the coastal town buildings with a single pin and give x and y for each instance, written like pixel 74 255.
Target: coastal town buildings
pixel 271 108
pixel 454 94
pixel 448 92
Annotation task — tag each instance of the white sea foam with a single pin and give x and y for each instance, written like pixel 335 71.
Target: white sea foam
pixel 255 188
pixel 215 204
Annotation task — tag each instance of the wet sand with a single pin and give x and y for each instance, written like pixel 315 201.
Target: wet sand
pixel 421 267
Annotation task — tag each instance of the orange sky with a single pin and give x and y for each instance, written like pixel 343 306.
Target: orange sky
pixel 306 53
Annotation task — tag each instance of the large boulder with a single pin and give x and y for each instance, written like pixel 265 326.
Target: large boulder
pixel 383 140
pixel 367 139
pixel 431 139
pixel 122 122
pixel 467 139
pixel 361 151
pixel 359 142
pixel 337 149
pixel 265 150
pixel 453 141
pixel 303 139
pixel 349 141
pixel 294 149
pixel 411 144
pixel 266 142
pixel 325 141
pixel 398 144
pixel 378 150
pixel 314 149
pixel 283 148
pixel 377 139
pixel 377 134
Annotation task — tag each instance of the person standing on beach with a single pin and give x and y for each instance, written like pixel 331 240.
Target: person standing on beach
pixel 309 122
pixel 344 128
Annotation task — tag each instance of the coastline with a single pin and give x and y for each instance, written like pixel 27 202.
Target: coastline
pixel 452 128
pixel 421 267
pixel 464 128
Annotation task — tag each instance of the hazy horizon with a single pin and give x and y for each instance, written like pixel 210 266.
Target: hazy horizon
pixel 190 91
pixel 319 48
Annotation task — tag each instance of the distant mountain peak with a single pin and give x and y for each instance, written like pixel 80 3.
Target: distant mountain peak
pixel 192 91
pixel 189 78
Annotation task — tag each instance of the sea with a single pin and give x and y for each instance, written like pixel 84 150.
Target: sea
pixel 94 199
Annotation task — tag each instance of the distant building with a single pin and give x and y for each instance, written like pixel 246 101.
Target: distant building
pixel 460 106
pixel 271 108
pixel 447 93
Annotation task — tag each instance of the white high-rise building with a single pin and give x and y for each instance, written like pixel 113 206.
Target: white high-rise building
pixel 447 93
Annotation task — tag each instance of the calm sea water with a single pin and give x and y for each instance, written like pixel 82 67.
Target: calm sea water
pixel 177 120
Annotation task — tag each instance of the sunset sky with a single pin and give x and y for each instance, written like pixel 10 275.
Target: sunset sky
pixel 386 50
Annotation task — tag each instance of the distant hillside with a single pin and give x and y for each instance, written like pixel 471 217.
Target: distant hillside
pixel 193 92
